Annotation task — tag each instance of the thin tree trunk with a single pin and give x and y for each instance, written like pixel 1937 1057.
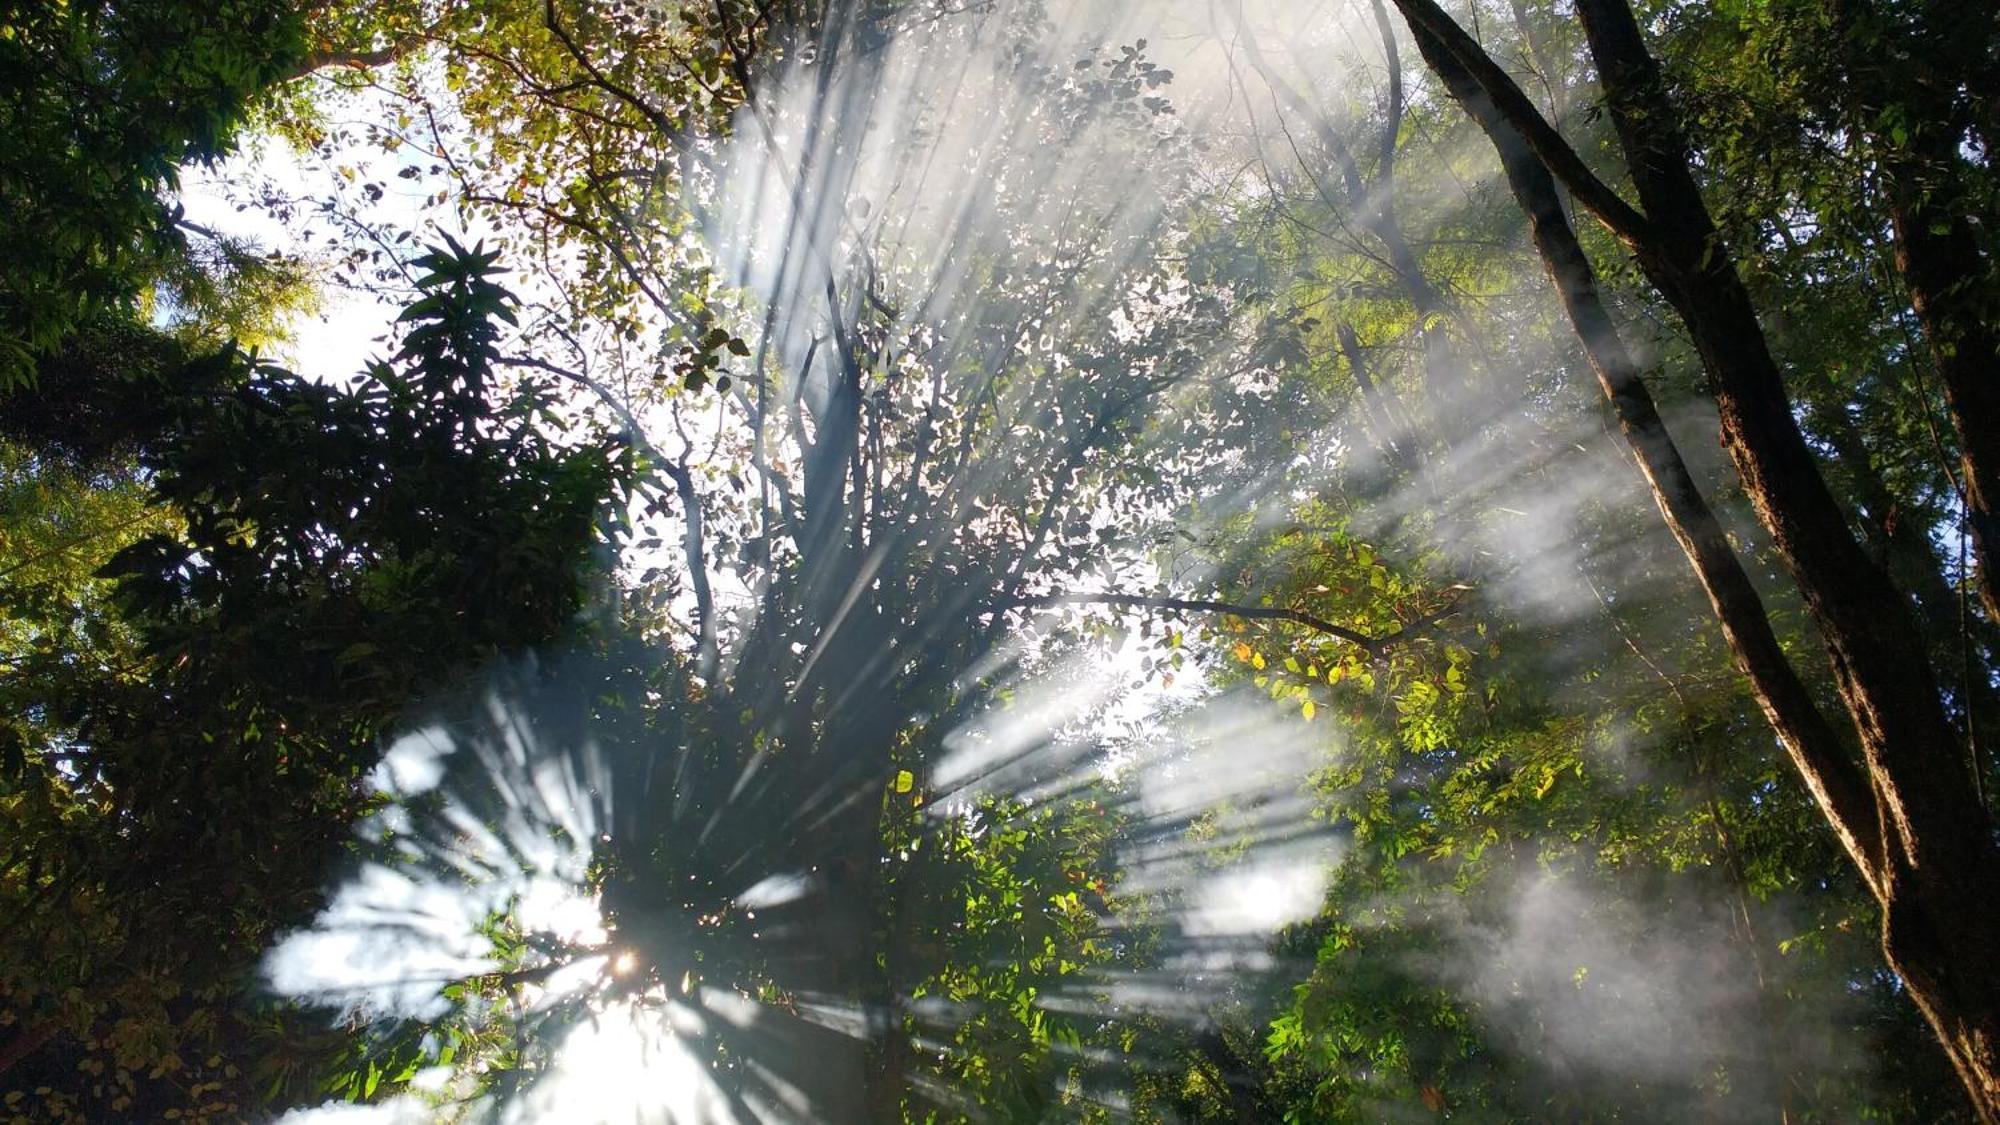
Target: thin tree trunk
pixel 1937 253
pixel 1946 52
pixel 1374 204
pixel 1380 417
pixel 1773 1056
pixel 1544 61
pixel 1242 1086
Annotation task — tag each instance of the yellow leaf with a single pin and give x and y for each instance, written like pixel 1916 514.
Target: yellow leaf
pixel 1308 710
pixel 1257 661
pixel 905 781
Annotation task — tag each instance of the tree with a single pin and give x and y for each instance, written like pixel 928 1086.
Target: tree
pixel 1907 815
pixel 908 452
pixel 308 559
pixel 102 105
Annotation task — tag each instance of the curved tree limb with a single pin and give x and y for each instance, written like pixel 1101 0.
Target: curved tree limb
pixel 1374 646
pixel 329 56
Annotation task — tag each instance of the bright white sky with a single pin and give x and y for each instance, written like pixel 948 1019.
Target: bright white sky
pixel 339 340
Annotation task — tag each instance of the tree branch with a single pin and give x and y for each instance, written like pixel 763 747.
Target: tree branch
pixel 328 56
pixel 351 59
pixel 659 120
pixel 675 470
pixel 1374 646
pixel 693 546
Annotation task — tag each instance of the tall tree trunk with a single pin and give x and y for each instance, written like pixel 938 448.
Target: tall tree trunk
pixel 1914 828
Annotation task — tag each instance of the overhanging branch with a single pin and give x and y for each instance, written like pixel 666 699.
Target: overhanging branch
pixel 333 56
pixel 1374 646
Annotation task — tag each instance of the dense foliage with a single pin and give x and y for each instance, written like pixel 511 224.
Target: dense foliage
pixel 231 582
pixel 101 106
